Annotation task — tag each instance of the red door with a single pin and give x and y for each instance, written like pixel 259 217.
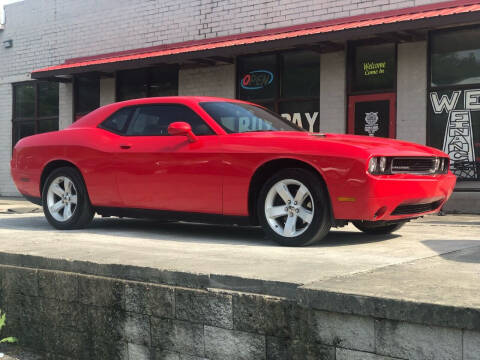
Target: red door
pixel 171 173
pixel 372 115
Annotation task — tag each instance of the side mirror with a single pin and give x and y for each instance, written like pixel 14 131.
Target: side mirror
pixel 182 129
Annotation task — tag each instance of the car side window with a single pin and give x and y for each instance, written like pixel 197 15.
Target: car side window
pixel 118 122
pixel 153 120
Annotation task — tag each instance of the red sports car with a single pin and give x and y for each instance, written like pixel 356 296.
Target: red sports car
pixel 209 159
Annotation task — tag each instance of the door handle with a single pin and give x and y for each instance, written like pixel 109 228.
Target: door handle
pixel 125 146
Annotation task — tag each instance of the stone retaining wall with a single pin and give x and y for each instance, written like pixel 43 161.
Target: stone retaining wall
pixel 75 316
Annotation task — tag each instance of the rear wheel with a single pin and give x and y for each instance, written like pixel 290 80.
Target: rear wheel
pixel 293 208
pixel 378 228
pixel 65 200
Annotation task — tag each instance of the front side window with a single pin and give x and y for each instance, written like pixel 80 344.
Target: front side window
pixel 118 122
pixel 154 120
pixel 241 118
pixel 35 109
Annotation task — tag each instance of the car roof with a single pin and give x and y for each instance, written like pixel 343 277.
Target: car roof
pixel 176 99
pixel 95 117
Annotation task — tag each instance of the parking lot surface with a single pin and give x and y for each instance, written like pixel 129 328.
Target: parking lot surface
pixel 434 259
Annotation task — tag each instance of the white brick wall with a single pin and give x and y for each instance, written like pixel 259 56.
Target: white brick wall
pixel 107 91
pixel 209 81
pixel 7 187
pixel 333 92
pixel 412 92
pixel 65 105
pixel 46 32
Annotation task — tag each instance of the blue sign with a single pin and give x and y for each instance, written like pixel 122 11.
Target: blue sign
pixel 257 79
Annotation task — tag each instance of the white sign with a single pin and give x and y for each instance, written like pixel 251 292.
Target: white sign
pixel 296 118
pixel 458 139
pixel 371 123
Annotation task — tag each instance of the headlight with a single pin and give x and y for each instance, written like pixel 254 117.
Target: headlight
pixel 378 165
pixel 446 165
pixel 372 165
pixel 382 164
pixel 437 165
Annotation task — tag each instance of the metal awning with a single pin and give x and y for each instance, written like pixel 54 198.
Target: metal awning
pixel 322 33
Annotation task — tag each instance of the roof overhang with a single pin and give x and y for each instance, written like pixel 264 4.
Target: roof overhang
pixel 323 36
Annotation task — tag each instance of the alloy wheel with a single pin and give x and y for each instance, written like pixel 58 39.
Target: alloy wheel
pixel 62 198
pixel 289 208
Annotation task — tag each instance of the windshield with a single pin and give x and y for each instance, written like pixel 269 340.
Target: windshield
pixel 240 118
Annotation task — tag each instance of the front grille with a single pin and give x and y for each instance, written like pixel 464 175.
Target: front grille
pixel 425 165
pixel 417 208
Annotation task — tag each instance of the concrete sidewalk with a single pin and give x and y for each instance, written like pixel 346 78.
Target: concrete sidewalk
pixel 408 295
pixel 434 259
pixel 17 205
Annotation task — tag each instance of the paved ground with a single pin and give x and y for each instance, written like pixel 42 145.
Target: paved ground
pixel 13 352
pixel 434 259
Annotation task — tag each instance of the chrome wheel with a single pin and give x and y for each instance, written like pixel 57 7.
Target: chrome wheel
pixel 289 208
pixel 62 198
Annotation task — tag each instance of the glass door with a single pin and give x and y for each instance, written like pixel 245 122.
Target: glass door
pixel 372 89
pixel 372 115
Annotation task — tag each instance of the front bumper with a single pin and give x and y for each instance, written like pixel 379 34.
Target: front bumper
pixel 396 197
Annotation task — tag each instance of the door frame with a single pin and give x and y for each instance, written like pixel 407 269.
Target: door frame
pixel 390 96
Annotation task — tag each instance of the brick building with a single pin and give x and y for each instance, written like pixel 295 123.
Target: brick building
pixel 407 69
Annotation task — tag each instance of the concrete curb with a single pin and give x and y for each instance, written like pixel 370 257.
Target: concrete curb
pixel 391 309
pixel 152 275
pixel 429 314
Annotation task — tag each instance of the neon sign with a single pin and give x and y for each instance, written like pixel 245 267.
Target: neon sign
pixel 374 68
pixel 257 79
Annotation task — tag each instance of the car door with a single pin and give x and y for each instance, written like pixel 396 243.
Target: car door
pixel 163 172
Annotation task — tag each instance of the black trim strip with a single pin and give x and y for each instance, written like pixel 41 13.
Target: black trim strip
pixel 173 215
pixel 476 190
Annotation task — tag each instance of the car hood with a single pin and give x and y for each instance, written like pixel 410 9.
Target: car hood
pixel 365 145
pixel 384 146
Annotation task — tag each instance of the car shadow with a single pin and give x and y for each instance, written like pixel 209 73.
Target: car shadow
pixel 242 234
pixel 467 251
pixel 346 238
pixel 187 232
pixel 450 222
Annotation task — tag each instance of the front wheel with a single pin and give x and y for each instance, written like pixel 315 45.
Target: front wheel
pixel 65 200
pixel 293 208
pixel 379 228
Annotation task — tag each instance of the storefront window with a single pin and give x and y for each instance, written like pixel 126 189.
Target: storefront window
pixel 149 82
pixel 24 100
pixel 301 113
pixel 35 109
pixel 373 68
pixel 163 82
pixel 258 78
pixel 455 58
pixel 301 74
pixel 454 99
pixel 87 95
pixel 287 83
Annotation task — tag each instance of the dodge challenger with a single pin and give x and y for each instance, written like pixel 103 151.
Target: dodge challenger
pixel 210 159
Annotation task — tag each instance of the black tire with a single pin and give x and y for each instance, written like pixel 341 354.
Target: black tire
pixel 379 228
pixel 321 220
pixel 82 213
